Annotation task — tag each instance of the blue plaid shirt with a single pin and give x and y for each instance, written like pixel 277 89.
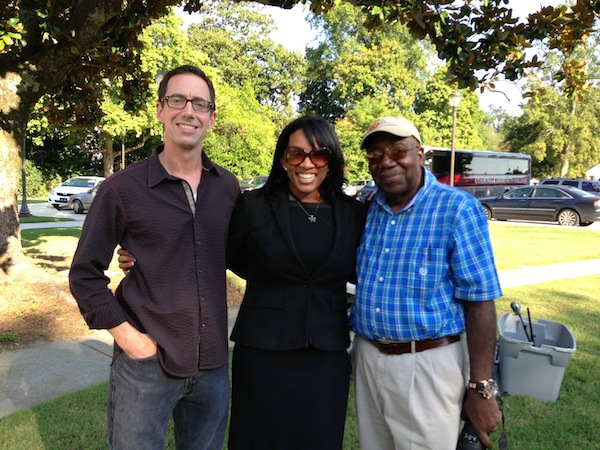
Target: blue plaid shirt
pixel 414 265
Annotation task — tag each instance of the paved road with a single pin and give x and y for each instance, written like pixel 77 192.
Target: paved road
pixel 595 226
pixel 47 210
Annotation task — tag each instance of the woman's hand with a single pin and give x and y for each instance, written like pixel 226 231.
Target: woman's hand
pixel 126 260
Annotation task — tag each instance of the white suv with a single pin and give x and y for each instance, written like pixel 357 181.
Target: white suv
pixel 354 186
pixel 592 186
pixel 59 196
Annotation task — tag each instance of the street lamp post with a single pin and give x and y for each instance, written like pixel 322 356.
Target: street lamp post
pixel 24 211
pixel 454 100
pixel 123 151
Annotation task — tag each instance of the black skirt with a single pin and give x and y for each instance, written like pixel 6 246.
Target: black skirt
pixel 287 400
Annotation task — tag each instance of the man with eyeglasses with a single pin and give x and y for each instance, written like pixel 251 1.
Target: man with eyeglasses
pixel 169 321
pixel 424 304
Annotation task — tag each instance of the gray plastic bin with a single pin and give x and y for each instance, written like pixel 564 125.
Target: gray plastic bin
pixel 536 371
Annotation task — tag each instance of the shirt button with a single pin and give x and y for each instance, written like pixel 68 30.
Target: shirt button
pixel 377 309
pixel 387 250
pixel 393 222
pixel 380 278
pixel 203 325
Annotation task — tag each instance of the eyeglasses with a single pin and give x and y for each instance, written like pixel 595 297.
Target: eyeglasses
pixel 179 102
pixel 319 156
pixel 394 151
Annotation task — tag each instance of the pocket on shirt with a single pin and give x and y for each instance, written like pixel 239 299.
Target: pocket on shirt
pixel 423 269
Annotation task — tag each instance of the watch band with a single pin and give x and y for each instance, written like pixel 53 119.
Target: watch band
pixel 486 388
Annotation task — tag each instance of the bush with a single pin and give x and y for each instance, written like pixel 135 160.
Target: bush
pixel 37 185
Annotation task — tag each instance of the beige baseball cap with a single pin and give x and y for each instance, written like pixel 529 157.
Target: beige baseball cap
pixel 398 126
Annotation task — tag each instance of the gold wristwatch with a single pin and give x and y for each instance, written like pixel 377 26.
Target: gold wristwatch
pixel 487 388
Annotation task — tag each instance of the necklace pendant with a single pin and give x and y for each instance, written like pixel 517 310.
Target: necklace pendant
pixel 312 219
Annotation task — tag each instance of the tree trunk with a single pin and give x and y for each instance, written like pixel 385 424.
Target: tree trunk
pixel 564 167
pixel 11 141
pixel 24 79
pixel 108 156
pixel 567 153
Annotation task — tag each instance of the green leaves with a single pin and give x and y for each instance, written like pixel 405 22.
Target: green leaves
pixel 235 39
pixel 481 41
pixel 11 34
pixel 353 62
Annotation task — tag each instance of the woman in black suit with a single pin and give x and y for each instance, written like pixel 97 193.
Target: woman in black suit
pixel 294 241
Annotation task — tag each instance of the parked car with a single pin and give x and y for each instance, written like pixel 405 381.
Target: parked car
pixel 563 204
pixel 60 196
pixel 592 186
pixel 253 183
pixel 353 187
pixel 244 185
pixel 82 201
pixel 367 189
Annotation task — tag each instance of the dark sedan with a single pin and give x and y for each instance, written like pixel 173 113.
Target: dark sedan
pixel 566 205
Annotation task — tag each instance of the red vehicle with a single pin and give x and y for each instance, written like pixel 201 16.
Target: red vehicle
pixel 480 173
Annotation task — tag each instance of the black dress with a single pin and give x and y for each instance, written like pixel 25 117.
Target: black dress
pixel 293 398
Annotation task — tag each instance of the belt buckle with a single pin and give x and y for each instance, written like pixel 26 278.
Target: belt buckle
pixel 413 344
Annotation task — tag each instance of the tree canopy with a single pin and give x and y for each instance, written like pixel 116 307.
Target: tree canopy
pixel 351 63
pixel 560 125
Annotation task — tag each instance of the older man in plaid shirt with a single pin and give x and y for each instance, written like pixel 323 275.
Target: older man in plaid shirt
pixel 424 307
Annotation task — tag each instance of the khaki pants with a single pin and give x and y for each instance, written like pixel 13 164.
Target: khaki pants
pixel 410 401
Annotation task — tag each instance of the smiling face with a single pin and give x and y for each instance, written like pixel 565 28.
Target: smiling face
pixel 398 170
pixel 185 128
pixel 306 178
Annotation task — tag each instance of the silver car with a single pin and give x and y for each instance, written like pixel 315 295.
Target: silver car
pixel 60 196
pixel 82 201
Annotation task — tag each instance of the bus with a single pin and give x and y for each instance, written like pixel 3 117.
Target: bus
pixel 480 173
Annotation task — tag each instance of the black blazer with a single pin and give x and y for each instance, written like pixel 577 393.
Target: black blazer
pixel 284 306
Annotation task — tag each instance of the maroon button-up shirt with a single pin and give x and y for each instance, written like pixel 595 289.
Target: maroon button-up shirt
pixel 177 290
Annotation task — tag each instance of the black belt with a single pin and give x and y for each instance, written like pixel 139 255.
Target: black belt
pixel 399 348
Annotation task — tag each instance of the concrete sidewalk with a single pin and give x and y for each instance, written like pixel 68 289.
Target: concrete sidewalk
pixel 51 369
pixel 542 274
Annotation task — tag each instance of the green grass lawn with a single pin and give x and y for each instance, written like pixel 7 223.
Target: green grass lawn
pixel 77 420
pixel 39 219
pixel 520 245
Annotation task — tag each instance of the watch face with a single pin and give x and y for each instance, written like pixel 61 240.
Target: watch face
pixel 487 388
pixel 491 388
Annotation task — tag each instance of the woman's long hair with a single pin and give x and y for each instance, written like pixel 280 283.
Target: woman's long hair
pixel 316 129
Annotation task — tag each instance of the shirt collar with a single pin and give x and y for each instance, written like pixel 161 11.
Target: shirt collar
pixel 157 173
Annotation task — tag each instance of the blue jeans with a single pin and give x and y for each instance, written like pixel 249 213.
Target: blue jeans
pixel 142 398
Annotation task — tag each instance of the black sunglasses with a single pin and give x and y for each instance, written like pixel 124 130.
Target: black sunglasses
pixel 319 156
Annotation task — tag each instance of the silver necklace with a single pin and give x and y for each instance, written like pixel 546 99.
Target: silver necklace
pixel 312 218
